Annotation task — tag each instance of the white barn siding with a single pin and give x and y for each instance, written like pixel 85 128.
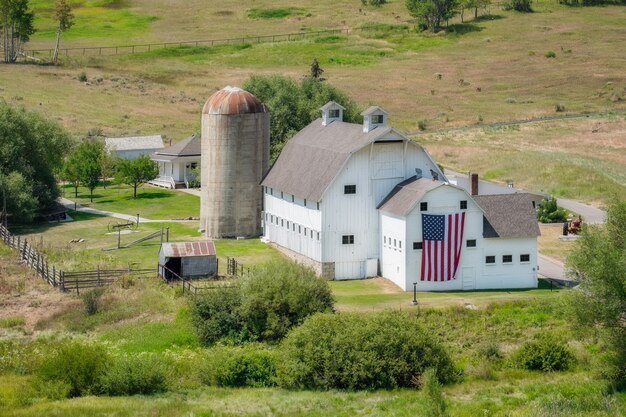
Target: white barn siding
pixel 394 247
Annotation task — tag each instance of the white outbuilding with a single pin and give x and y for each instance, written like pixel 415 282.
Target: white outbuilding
pixel 133 147
pixel 356 201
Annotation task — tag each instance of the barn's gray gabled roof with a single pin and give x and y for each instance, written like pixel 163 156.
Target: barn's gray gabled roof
pixel 372 110
pixel 186 147
pixel 508 215
pixel 311 159
pixel 406 195
pixel 330 105
pixel 132 143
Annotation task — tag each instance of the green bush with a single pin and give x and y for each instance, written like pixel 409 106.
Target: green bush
pixel 357 351
pixel 544 353
pixel 550 54
pixel 270 300
pixel 215 315
pixel 550 212
pixel 77 364
pixel 91 299
pixel 247 366
pixel 431 387
pixel 134 374
pixel 524 6
pixel 280 295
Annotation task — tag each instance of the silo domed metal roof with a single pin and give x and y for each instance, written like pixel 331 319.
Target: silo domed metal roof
pixel 233 100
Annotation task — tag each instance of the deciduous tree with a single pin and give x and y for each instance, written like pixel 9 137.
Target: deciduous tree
pixel 598 263
pixel 17 24
pixel 432 12
pixel 65 18
pixel 135 172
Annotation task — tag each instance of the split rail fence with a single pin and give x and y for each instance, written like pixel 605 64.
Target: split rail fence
pixel 64 280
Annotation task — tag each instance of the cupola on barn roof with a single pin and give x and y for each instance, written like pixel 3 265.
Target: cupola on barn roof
pixel 233 100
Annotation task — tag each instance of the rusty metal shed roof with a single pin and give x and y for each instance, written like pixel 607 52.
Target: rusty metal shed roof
pixel 188 249
pixel 231 101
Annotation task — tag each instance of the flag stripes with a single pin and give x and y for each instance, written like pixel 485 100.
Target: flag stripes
pixel 442 241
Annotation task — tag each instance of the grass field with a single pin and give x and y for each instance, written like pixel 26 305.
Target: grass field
pixel 152 202
pixel 491 69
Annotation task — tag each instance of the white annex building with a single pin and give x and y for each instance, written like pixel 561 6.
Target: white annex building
pixel 357 201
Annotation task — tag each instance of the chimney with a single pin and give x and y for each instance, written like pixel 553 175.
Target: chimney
pixel 474 184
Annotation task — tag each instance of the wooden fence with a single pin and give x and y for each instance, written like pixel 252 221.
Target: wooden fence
pixel 64 281
pixel 147 47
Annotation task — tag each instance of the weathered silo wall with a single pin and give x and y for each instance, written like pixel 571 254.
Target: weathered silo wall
pixel 235 155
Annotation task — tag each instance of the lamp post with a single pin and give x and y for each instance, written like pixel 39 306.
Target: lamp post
pixel 415 293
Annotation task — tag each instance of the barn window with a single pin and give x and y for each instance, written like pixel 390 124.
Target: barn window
pixel 378 119
pixel 507 259
pixel 490 259
pixel 288 224
pixel 463 204
pixel 470 243
pixel 305 202
pixel 395 243
pixel 400 244
pixel 271 191
pixel 524 257
pixel 347 239
pixel 299 229
pixel 349 189
pixel 305 232
pixel 282 223
pixel 333 113
pixel 294 227
pixel 424 206
pixel 318 205
pixel 281 194
pixel 417 245
pixel 272 218
pixel 318 235
pixel 385 239
pixel 293 199
pixel 311 234
pixel 267 216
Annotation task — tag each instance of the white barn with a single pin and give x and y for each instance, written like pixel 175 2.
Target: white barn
pixel 132 147
pixel 348 199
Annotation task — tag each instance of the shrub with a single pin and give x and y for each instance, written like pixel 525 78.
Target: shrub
pixel 550 54
pixel 422 124
pixel 374 2
pixel 524 6
pixel 215 315
pixel 135 374
pixel 356 351
pixel 82 77
pixel 91 299
pixel 544 353
pixel 436 405
pixel 280 295
pixel 550 212
pixel 559 108
pixel 77 364
pixel 249 366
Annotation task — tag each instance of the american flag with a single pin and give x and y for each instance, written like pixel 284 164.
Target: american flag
pixel 442 240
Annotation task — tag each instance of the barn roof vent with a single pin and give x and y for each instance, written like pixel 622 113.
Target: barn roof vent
pixel 332 112
pixel 374 117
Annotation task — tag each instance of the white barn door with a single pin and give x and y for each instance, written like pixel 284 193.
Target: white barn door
pixel 468 278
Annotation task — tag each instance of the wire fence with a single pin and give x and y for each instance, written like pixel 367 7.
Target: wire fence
pixel 148 47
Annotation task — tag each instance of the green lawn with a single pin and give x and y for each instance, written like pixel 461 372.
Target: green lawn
pixel 152 202
pixel 378 294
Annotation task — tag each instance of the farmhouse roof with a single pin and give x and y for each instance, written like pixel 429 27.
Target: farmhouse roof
pixel 405 195
pixel 188 249
pixel 314 156
pixel 508 215
pixel 186 147
pixel 132 143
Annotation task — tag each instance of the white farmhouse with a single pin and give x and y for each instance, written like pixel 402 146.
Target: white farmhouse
pixel 132 147
pixel 351 200
pixel 177 162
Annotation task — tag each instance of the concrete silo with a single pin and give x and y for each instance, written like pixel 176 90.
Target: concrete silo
pixel 235 156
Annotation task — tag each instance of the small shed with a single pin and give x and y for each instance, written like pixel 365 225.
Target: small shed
pixel 188 259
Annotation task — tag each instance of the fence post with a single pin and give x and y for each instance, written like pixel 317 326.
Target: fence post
pixel 167 234
pixel 98 277
pixel 54 275
pixel 62 281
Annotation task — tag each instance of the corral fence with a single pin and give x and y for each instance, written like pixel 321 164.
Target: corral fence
pixel 193 286
pixel 65 280
pixel 147 47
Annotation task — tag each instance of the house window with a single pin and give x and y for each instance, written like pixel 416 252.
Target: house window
pixel 470 243
pixel 524 257
pixel 333 113
pixel 490 259
pixel 271 191
pixel 507 259
pixel 377 119
pixel 463 204
pixel 347 239
pixel 349 189
pixel 417 245
pixel 424 206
